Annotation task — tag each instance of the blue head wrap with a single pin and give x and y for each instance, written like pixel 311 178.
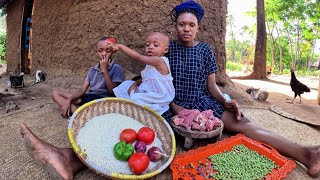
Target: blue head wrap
pixel 187 7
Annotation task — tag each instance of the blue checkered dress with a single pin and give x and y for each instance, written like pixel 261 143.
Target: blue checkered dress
pixel 190 67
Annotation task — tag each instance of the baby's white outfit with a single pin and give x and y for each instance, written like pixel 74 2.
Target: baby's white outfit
pixel 156 90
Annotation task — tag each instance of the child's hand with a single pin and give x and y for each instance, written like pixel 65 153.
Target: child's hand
pixel 114 47
pixel 105 63
pixel 133 88
pixel 66 110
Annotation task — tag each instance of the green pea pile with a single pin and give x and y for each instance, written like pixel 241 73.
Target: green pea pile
pixel 241 163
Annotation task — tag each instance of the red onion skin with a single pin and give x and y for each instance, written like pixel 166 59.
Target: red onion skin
pixel 140 147
pixel 153 156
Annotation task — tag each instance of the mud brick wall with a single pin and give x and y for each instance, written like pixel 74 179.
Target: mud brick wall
pixel 65 32
pixel 14 15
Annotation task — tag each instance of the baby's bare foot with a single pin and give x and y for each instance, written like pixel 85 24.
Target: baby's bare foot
pixel 51 158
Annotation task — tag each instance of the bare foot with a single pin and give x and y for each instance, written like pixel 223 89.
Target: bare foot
pixel 314 166
pixel 51 158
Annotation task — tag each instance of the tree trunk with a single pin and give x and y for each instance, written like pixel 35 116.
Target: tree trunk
pixel 260 59
pixel 273 50
pixel 233 47
pixel 280 56
pixel 259 66
pixel 280 51
pixel 298 54
pixel 318 97
pixel 291 48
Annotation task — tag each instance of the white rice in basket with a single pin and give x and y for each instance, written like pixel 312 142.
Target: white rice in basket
pixel 98 137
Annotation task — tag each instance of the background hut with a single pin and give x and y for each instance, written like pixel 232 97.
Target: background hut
pixel 63 34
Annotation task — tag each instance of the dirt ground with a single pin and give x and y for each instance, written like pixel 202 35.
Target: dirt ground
pixel 31 98
pixel 280 94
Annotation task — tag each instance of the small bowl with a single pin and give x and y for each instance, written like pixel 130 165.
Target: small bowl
pixel 189 135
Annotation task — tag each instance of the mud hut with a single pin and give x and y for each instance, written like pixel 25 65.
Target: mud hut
pixel 59 36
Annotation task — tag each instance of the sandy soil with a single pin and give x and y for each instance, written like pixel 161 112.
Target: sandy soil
pixel 280 94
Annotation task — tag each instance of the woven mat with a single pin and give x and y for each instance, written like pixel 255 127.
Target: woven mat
pixel 47 123
pixel 310 116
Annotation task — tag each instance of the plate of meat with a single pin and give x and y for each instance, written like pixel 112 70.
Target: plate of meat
pixel 193 124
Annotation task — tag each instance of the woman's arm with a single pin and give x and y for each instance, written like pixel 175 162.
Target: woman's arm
pixel 214 89
pixel 216 94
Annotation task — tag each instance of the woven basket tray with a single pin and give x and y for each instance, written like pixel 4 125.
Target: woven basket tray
pixel 144 115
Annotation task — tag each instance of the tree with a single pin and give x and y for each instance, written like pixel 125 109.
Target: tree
pixel 260 60
pixel 3 36
pixel 3 44
pixel 230 22
pixel 271 22
pixel 259 65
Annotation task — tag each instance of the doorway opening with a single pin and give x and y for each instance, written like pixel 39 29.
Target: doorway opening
pixel 26 37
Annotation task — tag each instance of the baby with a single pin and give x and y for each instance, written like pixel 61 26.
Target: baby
pixel 155 89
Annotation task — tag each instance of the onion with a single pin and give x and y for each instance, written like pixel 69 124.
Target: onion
pixel 154 153
pixel 140 147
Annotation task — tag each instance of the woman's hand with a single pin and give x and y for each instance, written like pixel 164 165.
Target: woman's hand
pixel 232 105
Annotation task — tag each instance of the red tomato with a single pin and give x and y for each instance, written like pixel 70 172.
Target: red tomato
pixel 128 135
pixel 146 135
pixel 138 162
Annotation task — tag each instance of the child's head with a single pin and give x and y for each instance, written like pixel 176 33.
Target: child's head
pixel 103 50
pixel 157 44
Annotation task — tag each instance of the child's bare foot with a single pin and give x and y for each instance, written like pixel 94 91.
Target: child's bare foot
pixel 314 166
pixel 51 158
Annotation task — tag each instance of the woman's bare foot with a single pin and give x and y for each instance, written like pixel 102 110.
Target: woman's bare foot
pixel 53 159
pixel 314 167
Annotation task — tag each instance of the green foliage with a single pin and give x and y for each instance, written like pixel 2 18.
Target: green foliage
pixel 243 51
pixel 3 44
pixel 305 72
pixel 300 72
pixel 3 12
pixel 298 26
pixel 3 38
pixel 233 66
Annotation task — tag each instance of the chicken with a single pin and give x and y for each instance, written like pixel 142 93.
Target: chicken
pixel 297 87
